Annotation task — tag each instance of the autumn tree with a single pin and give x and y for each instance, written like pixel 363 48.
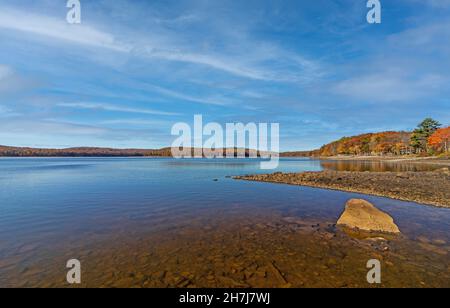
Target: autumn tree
pixel 440 139
pixel 419 138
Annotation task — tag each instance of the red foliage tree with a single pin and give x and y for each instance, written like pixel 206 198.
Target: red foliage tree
pixel 440 139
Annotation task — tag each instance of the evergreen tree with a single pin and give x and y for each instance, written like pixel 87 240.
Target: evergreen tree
pixel 419 138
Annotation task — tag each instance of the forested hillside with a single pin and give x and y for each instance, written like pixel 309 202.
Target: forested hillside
pixel 80 152
pixel 427 139
pixel 6 151
pixel 396 143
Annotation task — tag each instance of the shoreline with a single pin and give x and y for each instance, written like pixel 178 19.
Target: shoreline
pixel 393 159
pixel 427 188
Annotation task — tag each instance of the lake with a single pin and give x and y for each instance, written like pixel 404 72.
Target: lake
pixel 156 222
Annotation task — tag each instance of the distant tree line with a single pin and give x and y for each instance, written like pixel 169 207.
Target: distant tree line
pixel 429 138
pixel 81 152
pixel 6 151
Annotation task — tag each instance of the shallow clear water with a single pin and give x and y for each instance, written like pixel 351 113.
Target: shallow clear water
pixel 58 207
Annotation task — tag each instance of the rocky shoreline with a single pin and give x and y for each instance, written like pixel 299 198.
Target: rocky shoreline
pixel 431 188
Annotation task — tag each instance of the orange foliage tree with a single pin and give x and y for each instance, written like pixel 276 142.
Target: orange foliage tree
pixel 385 143
pixel 440 139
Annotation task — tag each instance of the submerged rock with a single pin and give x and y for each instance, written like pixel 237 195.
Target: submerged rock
pixel 362 215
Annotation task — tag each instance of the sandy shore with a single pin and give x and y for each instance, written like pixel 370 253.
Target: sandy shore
pixel 431 188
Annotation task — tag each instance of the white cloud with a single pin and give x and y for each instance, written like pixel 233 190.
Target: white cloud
pixel 4 111
pixel 412 65
pixel 435 36
pixel 25 126
pixel 438 3
pixel 215 62
pixel 63 134
pixel 11 82
pixel 58 28
pixel 4 72
pixel 390 87
pixel 110 107
pixel 248 61
pixel 138 122
pixel 219 101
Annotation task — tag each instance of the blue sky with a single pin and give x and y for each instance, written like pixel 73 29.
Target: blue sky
pixel 134 68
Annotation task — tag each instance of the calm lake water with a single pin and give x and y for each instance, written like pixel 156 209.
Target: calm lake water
pixel 146 210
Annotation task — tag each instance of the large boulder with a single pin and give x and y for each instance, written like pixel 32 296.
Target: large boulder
pixel 362 215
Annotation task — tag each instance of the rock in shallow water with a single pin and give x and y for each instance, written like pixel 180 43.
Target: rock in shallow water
pixel 362 215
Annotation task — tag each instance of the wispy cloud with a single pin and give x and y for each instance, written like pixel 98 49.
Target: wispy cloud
pixel 390 87
pixel 172 48
pixel 438 3
pixel 23 126
pixel 115 108
pixel 132 64
pixel 218 100
pixel 407 66
pixel 4 72
pixel 57 28
pixel 11 81
pixel 5 112
pixel 138 122
pixel 210 61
